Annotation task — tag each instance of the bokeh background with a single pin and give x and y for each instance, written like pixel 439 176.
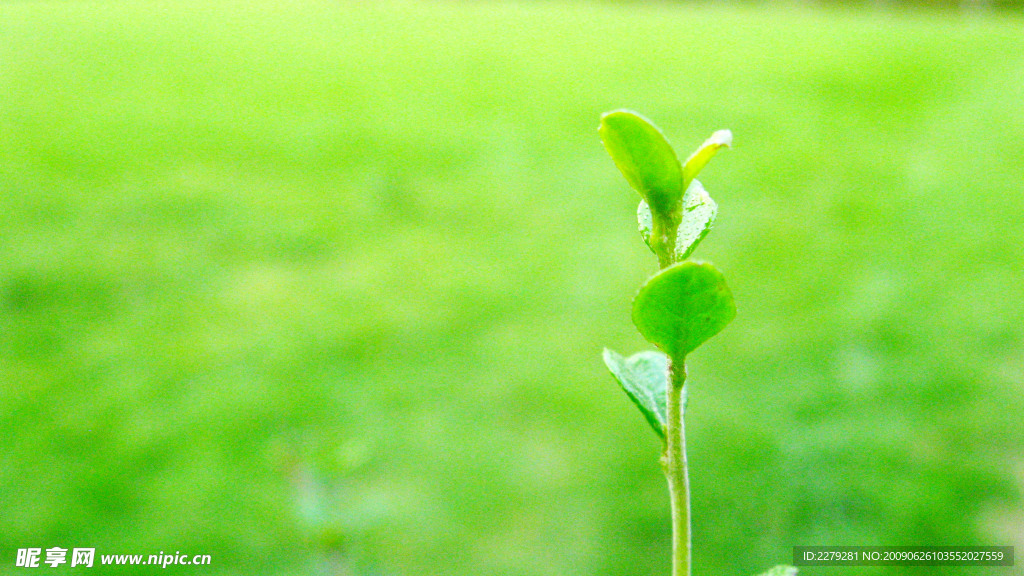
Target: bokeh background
pixel 321 287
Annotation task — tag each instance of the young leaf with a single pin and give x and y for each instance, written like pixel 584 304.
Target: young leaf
pixel 682 306
pixel 645 158
pixel 644 377
pixel 699 212
pixel 781 571
pixel 700 158
pixel 645 222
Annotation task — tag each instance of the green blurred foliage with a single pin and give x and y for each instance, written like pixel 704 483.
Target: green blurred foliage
pixel 308 286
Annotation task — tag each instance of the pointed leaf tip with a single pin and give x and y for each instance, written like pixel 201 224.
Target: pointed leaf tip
pixel 721 137
pixel 696 162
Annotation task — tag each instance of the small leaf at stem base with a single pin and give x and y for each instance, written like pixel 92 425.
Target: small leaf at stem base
pixel 644 378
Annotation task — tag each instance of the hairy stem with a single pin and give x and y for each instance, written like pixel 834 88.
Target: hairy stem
pixel 676 470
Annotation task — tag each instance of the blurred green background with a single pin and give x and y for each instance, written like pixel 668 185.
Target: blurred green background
pixel 321 287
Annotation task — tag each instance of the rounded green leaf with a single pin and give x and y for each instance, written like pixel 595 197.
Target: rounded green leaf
pixel 682 306
pixel 645 158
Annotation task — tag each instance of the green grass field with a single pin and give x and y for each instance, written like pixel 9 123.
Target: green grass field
pixel 321 288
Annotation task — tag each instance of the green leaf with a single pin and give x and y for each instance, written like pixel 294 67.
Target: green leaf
pixel 781 570
pixel 645 222
pixel 703 155
pixel 645 158
pixel 682 306
pixel 644 377
pixel 699 212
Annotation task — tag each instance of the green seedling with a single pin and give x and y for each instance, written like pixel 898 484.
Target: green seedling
pixel 677 309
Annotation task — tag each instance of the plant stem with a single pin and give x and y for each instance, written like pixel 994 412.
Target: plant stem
pixel 676 470
pixel 663 240
pixel 663 237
